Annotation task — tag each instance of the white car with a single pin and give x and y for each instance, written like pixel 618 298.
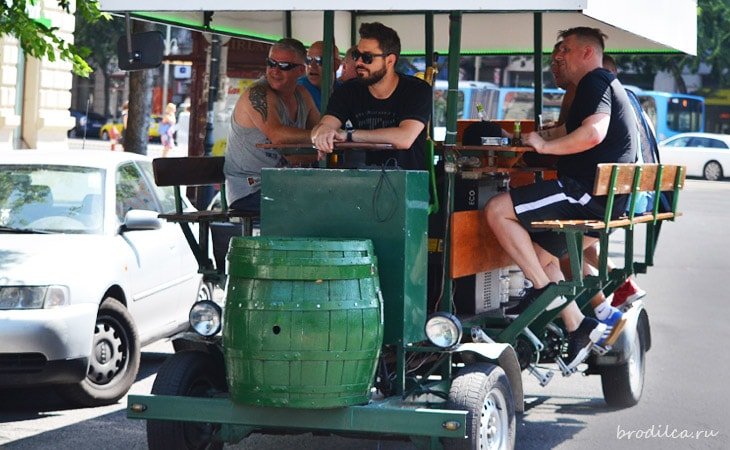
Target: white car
pixel 88 273
pixel 706 155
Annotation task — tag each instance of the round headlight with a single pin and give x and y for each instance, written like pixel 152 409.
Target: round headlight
pixel 205 318
pixel 443 330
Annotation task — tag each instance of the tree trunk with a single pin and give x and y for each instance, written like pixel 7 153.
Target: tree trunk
pixel 136 136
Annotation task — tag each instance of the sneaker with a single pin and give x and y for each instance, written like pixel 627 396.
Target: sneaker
pixel 580 341
pixel 627 293
pixel 614 325
pixel 529 298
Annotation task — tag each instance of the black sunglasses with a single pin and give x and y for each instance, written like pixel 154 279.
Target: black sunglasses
pixel 314 59
pixel 367 57
pixel 282 65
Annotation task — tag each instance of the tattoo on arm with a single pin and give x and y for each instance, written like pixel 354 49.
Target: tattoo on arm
pixel 257 96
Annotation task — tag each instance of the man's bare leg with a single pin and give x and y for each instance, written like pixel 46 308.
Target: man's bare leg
pixel 514 239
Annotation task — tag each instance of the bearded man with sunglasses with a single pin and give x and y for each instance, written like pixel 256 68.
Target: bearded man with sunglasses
pixel 275 110
pixel 379 106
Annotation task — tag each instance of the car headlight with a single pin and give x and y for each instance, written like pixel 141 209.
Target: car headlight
pixel 33 297
pixel 443 330
pixel 205 318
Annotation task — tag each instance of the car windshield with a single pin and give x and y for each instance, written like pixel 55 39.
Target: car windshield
pixel 51 198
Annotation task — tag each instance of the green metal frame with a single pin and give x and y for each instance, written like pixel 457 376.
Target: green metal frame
pixel 388 416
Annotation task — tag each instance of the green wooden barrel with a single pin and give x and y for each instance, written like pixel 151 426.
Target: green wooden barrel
pixel 303 325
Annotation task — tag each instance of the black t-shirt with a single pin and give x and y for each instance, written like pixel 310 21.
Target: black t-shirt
pixel 600 92
pixel 411 100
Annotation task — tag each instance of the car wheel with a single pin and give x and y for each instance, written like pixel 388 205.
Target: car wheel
pixel 712 171
pixel 484 391
pixel 105 135
pixel 187 374
pixel 114 359
pixel 623 385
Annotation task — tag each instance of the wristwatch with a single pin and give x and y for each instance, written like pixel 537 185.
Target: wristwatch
pixel 349 134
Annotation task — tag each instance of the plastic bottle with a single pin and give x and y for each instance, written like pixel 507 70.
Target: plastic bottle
pixel 517 134
pixel 480 112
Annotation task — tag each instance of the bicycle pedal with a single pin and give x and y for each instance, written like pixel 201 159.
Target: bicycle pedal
pixel 600 350
pixel 564 368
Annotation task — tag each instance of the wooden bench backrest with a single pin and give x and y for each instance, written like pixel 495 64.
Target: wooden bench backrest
pixel 189 171
pixel 647 181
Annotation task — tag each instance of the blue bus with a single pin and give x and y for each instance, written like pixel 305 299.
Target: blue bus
pixel 470 94
pixel 518 103
pixel 673 113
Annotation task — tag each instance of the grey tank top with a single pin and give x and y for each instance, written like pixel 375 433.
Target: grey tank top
pixel 244 160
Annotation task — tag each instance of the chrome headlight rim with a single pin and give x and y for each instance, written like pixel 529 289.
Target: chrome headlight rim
pixel 450 320
pixel 206 318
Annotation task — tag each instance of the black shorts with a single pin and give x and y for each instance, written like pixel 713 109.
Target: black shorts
pixel 554 200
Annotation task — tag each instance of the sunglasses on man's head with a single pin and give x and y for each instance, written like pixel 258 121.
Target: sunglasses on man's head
pixel 367 57
pixel 282 65
pixel 314 60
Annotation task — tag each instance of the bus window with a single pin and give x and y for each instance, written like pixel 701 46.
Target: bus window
pixel 519 104
pixel 684 114
pixel 439 107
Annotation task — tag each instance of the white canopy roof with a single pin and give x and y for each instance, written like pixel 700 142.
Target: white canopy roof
pixel 489 26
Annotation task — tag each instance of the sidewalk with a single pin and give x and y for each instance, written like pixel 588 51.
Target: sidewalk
pixel 154 150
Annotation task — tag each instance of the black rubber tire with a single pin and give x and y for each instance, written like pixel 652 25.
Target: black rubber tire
pixel 104 136
pixel 712 171
pixel 623 385
pixel 189 374
pixel 114 359
pixel 480 388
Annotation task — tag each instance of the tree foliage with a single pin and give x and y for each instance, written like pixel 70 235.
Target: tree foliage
pixel 100 37
pixel 38 39
pixel 713 48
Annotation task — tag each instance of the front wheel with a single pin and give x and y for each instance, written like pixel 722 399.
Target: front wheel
pixel 484 391
pixel 624 384
pixel 187 374
pixel 712 171
pixel 114 359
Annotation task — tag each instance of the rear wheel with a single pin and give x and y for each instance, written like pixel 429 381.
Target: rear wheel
pixel 114 359
pixel 484 391
pixel 104 135
pixel 624 384
pixel 712 171
pixel 187 374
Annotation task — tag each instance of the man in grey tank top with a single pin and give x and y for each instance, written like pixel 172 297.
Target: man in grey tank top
pixel 275 110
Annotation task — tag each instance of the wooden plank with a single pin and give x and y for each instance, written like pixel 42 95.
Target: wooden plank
pixel 474 248
pixel 188 171
pixel 625 180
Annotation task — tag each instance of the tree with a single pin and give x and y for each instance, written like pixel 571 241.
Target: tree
pixel 713 48
pixel 136 135
pixel 100 37
pixel 38 39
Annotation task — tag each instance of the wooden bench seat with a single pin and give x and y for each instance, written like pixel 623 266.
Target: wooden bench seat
pixel 593 225
pixel 200 171
pixel 623 179
pixel 197 171
pixel 618 179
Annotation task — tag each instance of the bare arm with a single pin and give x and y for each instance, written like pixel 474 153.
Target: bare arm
pixel 258 108
pixel 590 133
pixel 401 137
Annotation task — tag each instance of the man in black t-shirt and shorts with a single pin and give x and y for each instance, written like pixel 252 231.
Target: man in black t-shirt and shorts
pixel 600 128
pixel 379 106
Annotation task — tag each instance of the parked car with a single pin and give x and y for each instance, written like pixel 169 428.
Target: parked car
pixel 154 131
pixel 88 272
pixel 87 125
pixel 706 155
